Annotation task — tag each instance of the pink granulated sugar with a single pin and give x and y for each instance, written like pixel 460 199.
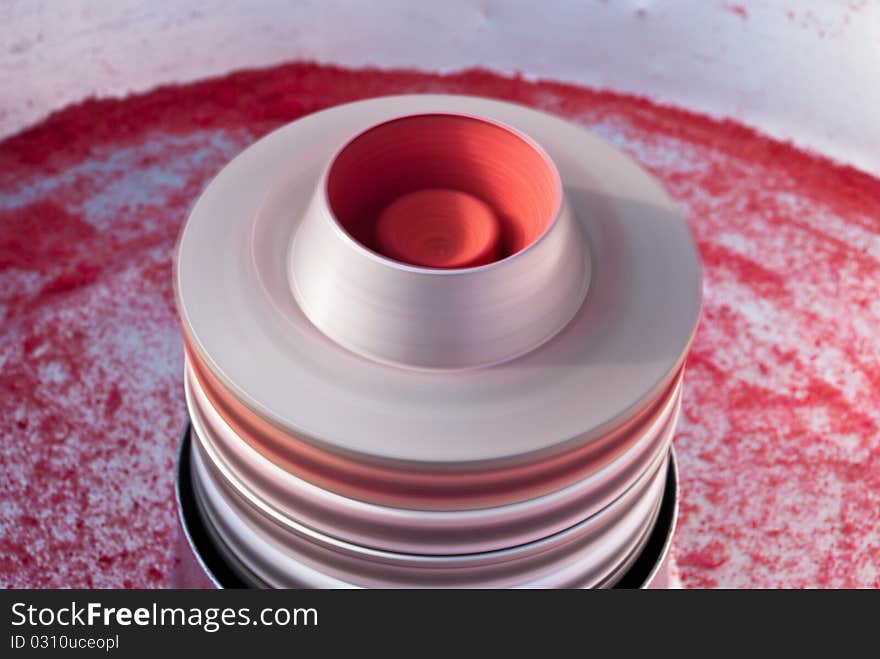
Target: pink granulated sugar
pixel 779 446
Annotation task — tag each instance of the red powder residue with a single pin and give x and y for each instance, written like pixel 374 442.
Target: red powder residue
pixel 779 445
pixel 739 10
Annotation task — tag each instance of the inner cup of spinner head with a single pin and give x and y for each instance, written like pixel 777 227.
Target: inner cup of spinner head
pixel 443 191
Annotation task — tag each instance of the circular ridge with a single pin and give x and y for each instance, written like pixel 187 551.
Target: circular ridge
pixel 423 485
pixel 207 563
pixel 419 531
pixel 285 554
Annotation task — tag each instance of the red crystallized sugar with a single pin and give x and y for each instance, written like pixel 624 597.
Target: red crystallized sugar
pixel 778 444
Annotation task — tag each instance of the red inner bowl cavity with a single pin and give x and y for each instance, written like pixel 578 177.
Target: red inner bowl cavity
pixel 438 228
pixel 443 191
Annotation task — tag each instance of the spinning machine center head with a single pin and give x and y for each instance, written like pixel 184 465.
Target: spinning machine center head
pixel 433 341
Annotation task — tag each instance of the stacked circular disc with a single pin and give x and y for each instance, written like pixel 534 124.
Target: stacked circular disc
pixel 433 341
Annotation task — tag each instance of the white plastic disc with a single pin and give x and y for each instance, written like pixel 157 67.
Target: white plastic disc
pixel 625 343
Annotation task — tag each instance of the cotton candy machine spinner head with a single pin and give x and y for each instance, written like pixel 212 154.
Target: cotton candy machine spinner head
pixel 433 341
